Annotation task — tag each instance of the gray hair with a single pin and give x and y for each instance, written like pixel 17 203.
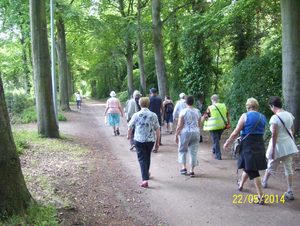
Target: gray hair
pixel 215 98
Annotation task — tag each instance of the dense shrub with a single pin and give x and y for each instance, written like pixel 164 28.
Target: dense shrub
pixel 258 77
pixel 18 100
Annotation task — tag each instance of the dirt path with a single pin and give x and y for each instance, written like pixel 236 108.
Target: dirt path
pixel 107 188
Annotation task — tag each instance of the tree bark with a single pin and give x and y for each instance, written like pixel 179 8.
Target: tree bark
pixel 62 66
pixel 47 126
pixel 160 65
pixel 290 13
pixel 141 52
pixel 14 195
pixel 129 62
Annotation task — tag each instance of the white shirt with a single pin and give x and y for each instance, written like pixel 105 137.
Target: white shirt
pixel 180 105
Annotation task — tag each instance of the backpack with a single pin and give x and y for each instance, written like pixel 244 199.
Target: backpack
pixel 169 108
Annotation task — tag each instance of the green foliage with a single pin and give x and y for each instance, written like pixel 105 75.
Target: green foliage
pixel 258 77
pixel 20 141
pixel 18 100
pixel 29 115
pixel 37 214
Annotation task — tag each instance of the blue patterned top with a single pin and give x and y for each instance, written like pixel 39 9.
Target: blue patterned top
pixel 145 123
pixel 191 118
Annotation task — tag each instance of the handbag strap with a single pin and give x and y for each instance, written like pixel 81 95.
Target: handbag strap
pixel 285 127
pixel 252 129
pixel 221 115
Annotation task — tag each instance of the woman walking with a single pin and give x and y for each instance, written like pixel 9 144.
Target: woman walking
pixel 282 145
pixel 146 133
pixel 188 129
pixel 113 108
pixel 252 126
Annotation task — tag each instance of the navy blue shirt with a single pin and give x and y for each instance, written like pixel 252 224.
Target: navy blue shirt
pixel 155 105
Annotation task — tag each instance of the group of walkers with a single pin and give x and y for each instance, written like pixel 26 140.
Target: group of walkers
pixel 144 117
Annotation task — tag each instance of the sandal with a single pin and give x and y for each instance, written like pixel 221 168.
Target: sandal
pixel 240 188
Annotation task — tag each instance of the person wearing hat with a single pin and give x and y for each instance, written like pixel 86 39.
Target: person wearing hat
pixel 113 108
pixel 156 106
pixel 133 106
pixel 180 105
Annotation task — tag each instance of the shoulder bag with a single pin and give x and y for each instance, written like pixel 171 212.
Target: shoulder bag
pixel 237 145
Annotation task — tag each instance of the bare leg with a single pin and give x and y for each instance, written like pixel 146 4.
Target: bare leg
pixel 257 182
pixel 192 169
pixel 244 178
pixel 184 166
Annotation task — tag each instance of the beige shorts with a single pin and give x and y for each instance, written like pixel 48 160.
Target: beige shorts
pixel 287 164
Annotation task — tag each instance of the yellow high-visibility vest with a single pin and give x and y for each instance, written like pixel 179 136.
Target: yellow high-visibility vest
pixel 216 122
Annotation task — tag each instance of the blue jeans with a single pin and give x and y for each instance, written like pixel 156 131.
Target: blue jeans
pixel 143 151
pixel 216 136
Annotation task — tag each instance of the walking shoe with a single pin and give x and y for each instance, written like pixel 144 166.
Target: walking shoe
pixel 145 184
pixel 240 188
pixel 192 174
pixel 154 151
pixel 264 184
pixel 259 201
pixel 183 171
pixel 132 147
pixel 118 132
pixel 289 195
pixel 115 133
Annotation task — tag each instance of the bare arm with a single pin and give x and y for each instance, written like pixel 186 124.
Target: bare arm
pixel 157 139
pixel 129 133
pixel 178 129
pixel 274 139
pixel 236 131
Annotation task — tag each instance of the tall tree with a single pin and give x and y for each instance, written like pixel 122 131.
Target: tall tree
pixel 141 51
pixel 62 65
pixel 42 73
pixel 160 64
pixel 290 13
pixel 14 195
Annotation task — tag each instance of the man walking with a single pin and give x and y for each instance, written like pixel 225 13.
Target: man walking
pixel 133 106
pixel 156 106
pixel 180 105
pixel 216 119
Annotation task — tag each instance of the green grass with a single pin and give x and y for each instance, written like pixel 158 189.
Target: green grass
pixel 29 115
pixel 25 139
pixel 36 215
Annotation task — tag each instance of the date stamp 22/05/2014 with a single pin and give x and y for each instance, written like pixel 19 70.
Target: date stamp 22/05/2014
pixel 254 198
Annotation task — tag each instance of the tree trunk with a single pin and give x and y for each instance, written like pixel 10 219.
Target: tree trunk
pixel 160 65
pixel 290 12
pixel 129 62
pixel 70 82
pixel 47 126
pixel 62 66
pixel 14 195
pixel 27 85
pixel 141 53
pixel 117 78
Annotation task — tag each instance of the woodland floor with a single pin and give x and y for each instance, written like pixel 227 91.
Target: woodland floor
pixel 90 184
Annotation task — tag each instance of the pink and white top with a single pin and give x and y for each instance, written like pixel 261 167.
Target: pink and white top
pixel 113 105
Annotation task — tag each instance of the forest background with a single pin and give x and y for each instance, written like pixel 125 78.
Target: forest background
pixel 198 47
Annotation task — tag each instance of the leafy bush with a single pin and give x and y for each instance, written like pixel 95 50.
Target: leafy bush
pixel 258 77
pixel 18 100
pixel 29 115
